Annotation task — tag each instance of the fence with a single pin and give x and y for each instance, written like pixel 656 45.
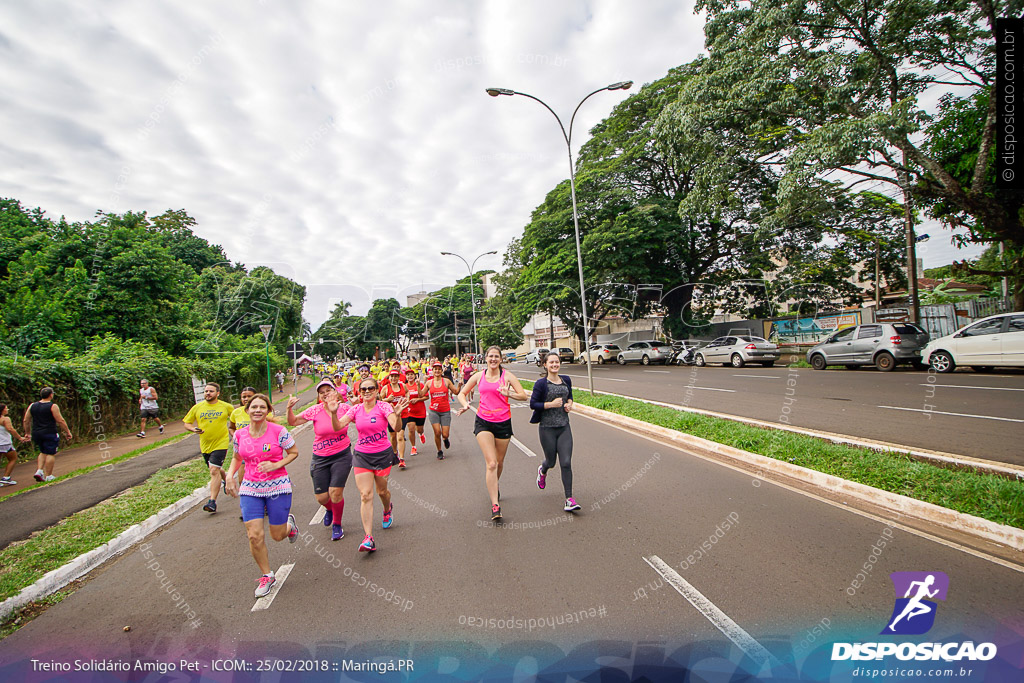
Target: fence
pixel 942 319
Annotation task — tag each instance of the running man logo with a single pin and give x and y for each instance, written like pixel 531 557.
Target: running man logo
pixel 914 612
pixel 266 448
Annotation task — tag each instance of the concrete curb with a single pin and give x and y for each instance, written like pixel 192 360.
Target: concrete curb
pixel 893 502
pixel 83 564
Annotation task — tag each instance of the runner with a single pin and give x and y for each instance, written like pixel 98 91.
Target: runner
pixel 42 419
pixel 418 397
pixel 551 402
pixel 265 449
pixel 7 431
pixel 493 425
pixel 280 381
pixel 467 372
pixel 440 412
pixel 239 418
pixel 340 386
pixel 393 392
pixel 211 416
pixel 148 407
pixel 364 373
pixel 332 456
pixel 373 455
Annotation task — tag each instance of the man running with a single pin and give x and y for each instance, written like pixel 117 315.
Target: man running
pixel 280 381
pixel 42 419
pixel 148 407
pixel 211 416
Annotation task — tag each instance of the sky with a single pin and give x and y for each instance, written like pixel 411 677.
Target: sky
pixel 343 144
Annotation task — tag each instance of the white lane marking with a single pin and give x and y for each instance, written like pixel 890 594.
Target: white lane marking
pixel 688 386
pixel 964 386
pixel 666 372
pixel 281 574
pixel 318 518
pixel 607 379
pixel 841 506
pixel 720 619
pixel 518 444
pixel 939 412
pixel 766 376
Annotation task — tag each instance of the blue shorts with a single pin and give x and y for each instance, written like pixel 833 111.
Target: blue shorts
pixel 277 507
pixel 47 443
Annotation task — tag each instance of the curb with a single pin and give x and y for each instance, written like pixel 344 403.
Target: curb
pixel 893 502
pixel 83 564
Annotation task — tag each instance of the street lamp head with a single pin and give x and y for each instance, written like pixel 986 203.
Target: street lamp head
pixel 265 329
pixel 494 92
pixel 488 253
pixel 447 253
pixel 621 85
pixel 922 238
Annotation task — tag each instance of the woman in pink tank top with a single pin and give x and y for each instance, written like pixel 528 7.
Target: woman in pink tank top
pixel 493 426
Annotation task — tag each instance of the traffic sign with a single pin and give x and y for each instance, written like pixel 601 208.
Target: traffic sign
pixel 295 351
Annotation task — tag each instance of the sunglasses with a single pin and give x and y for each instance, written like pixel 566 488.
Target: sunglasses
pixel 367 390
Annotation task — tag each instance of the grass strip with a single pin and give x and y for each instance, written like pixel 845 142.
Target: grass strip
pixel 983 495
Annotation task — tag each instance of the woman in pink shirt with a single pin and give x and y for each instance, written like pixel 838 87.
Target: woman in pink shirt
pixel 265 448
pixel 493 426
pixel 332 456
pixel 373 455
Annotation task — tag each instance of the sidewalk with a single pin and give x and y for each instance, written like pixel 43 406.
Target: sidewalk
pixel 46 505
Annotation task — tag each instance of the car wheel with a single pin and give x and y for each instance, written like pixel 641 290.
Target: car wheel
pixel 942 362
pixel 768 364
pixel 699 361
pixel 885 362
pixel 818 362
pixel 982 368
pixel 582 360
pixel 645 360
pixel 600 360
pixel 621 360
pixel 737 360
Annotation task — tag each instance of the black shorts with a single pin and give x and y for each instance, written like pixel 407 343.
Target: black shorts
pixel 375 461
pixel 47 443
pixel 215 458
pixel 501 430
pixel 150 412
pixel 330 471
pixel 417 420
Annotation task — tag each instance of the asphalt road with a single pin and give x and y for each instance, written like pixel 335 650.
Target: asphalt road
pixel 457 594
pixel 966 413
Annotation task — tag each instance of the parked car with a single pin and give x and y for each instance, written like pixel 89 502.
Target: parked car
pixel 997 340
pixel 565 354
pixel 738 350
pixel 645 352
pixel 883 345
pixel 600 354
pixel 537 356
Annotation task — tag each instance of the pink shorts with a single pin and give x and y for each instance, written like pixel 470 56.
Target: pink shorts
pixel 376 473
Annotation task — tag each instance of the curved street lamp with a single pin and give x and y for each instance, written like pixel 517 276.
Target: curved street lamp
pixel 472 299
pixel 621 85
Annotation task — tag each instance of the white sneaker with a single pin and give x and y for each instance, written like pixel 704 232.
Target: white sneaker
pixel 7 481
pixel 39 476
pixel 265 583
pixel 50 478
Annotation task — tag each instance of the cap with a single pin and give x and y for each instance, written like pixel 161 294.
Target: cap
pixel 364 365
pixel 325 382
pixel 395 371
pixel 437 364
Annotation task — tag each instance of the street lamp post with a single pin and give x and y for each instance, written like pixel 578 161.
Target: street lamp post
pixel 472 298
pixel 621 85
pixel 265 329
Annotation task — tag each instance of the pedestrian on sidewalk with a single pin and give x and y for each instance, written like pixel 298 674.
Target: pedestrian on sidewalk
pixel 148 407
pixel 211 416
pixel 7 435
pixel 42 419
pixel 266 449
pixel 551 402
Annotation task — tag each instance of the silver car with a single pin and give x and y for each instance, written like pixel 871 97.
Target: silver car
pixel 883 345
pixel 600 354
pixel 738 350
pixel 645 352
pixel 537 355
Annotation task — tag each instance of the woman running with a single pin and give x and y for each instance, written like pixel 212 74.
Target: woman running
pixel 373 456
pixel 7 435
pixel 417 392
pixel 332 456
pixel 266 449
pixel 439 411
pixel 551 402
pixel 393 392
pixel 493 426
pixel 467 372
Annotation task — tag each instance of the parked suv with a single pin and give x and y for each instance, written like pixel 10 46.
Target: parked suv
pixel 600 353
pixel 645 352
pixel 883 345
pixel 537 356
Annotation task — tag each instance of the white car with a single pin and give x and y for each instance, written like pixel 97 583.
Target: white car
pixel 537 355
pixel 997 340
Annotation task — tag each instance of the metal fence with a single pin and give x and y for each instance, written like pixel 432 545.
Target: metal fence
pixel 942 319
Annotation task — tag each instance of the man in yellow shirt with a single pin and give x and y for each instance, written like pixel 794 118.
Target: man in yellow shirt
pixel 211 416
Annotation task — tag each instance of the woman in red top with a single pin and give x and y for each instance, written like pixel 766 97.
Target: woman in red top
pixel 417 392
pixel 393 392
pixel 440 412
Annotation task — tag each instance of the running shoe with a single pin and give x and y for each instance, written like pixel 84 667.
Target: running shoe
pixel 413 451
pixel 388 519
pixel 50 478
pixel 447 443
pixel 328 517
pixel 7 481
pixel 211 505
pixel 224 485
pixel 495 512
pixel 440 455
pixel 39 476
pixel 571 505
pixel 293 529
pixel 337 533
pixel 542 478
pixel 423 438
pixel 161 429
pixel 367 546
pixel 401 464
pixel 141 435
pixel 264 583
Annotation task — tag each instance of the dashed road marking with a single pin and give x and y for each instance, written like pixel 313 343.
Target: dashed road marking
pixel 964 386
pixel 318 518
pixel 281 574
pixel 940 412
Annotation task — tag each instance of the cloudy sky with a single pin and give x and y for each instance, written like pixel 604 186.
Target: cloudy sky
pixel 344 144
